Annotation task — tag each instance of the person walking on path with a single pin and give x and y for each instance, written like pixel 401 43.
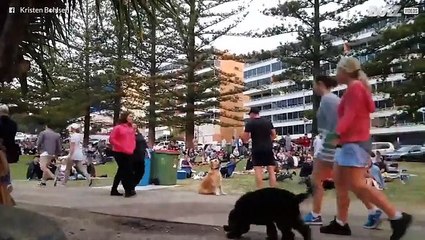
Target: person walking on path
pixel 76 156
pixel 49 147
pixel 139 156
pixel 262 133
pixel 8 130
pixel 352 136
pixel 327 117
pixel 123 141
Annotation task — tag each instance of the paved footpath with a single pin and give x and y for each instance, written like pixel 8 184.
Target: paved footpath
pixel 187 207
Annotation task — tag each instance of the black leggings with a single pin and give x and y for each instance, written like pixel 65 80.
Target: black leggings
pixel 138 168
pixel 124 172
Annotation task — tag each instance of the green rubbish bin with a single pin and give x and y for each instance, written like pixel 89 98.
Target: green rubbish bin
pixel 229 148
pixel 164 166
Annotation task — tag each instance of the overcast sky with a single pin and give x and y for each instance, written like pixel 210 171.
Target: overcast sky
pixel 258 22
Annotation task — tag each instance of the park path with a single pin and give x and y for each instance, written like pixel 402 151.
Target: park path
pixel 184 207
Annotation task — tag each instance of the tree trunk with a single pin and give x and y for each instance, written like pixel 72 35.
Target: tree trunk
pixel 87 38
pixel 190 95
pixel 87 120
pixel 190 113
pixel 118 71
pixel 12 34
pixel 316 61
pixel 152 118
pixel 117 100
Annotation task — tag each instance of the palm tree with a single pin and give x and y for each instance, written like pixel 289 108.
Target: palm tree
pixel 33 35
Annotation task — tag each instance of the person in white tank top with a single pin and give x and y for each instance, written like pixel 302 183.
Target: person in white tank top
pixel 76 156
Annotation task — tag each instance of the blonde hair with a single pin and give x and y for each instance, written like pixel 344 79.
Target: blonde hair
pixel 353 68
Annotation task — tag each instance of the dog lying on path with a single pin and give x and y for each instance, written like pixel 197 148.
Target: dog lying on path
pixel 270 207
pixel 212 183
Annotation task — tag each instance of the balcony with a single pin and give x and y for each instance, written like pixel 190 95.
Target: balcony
pixel 299 93
pixel 384 112
pixel 399 128
pixel 249 66
pixel 291 122
pixel 297 108
pixel 276 98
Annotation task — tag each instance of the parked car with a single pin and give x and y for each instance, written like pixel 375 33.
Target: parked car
pixel 382 147
pixel 409 153
pixel 162 145
pixel 214 145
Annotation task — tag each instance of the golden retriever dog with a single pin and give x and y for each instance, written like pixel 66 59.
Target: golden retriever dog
pixel 212 183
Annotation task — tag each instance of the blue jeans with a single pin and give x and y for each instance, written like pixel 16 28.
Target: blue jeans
pixel 376 174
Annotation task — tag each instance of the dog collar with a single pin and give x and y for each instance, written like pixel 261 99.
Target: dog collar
pixel 216 168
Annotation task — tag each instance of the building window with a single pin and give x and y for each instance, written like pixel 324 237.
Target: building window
pixel 290 130
pixel 264 81
pixel 298 129
pixel 290 116
pixel 307 99
pixel 291 102
pixel 261 70
pixel 300 101
pixel 266 107
pixel 276 66
pixel 309 128
pixel 279 131
pixel 301 114
pixel 280 117
pixel 267 68
pixel 284 130
pixel 280 104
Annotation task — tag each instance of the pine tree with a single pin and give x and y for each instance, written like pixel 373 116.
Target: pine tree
pixel 30 35
pixel 303 58
pixel 78 70
pixel 150 49
pixel 196 24
pixel 401 49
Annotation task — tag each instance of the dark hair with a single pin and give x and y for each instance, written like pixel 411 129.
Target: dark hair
pixel 254 110
pixel 329 82
pixel 123 117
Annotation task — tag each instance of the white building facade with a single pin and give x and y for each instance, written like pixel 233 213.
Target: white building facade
pixel 285 103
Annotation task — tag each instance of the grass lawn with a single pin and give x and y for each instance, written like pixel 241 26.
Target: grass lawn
pixel 411 193
pixel 19 171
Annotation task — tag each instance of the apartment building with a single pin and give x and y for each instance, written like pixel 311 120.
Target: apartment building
pixel 220 121
pixel 285 103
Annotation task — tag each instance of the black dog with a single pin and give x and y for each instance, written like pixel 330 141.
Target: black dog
pixel 269 207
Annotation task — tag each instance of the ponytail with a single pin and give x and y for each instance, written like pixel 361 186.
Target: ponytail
pixel 364 79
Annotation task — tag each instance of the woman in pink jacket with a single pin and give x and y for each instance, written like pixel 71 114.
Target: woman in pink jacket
pixel 123 141
pixel 352 156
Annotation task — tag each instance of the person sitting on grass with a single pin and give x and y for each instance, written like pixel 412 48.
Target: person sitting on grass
pixel 34 171
pixel 187 166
